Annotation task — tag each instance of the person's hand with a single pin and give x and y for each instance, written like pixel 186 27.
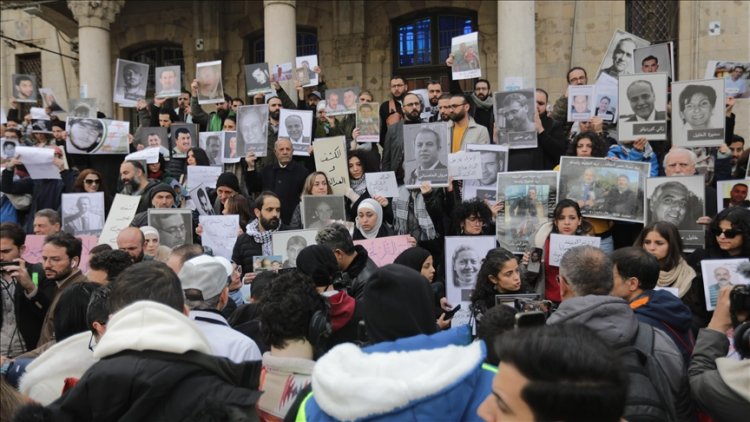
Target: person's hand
pixel 449 60
pixel 495 208
pixel 310 150
pixel 140 104
pixel 705 220
pixel 249 277
pixel 331 121
pixel 729 106
pixel 199 230
pixel 611 158
pixel 640 144
pixel 412 241
pixel 317 70
pixel 276 85
pixel 21 275
pixel 721 321
pixel 158 102
pixel 724 149
pixel 194 86
pixel 443 323
pixel 13 103
pixel 250 159
pixel 131 139
pixel 188 110
pixel 353 145
pixel 15 161
pixel 598 124
pixel 450 184
pixel 445 305
pixel 381 200
pixel 59 163
pixel 538 121
pixel 425 187
pixel 355 133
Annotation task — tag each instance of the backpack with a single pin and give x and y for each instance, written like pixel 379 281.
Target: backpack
pixel 649 397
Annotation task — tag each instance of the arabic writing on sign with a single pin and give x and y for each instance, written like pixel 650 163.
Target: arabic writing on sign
pixel 464 165
pixel 120 215
pixel 382 184
pixel 560 243
pixel 384 250
pixel 220 233
pixel 330 158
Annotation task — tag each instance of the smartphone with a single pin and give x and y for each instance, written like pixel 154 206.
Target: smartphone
pixel 530 319
pixel 449 314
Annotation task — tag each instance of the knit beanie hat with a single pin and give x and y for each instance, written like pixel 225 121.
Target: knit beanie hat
pixel 228 180
pixel 319 263
pixel 161 187
pixel 397 304
pixel 413 258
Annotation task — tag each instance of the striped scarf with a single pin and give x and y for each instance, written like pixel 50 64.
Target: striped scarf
pixel 424 229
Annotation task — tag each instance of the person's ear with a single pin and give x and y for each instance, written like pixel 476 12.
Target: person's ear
pixel 257 213
pixel 493 279
pixel 633 284
pixel 74 262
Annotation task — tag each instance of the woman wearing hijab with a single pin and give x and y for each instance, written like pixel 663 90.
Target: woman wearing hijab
pixel 153 247
pixel 370 224
pixel 420 259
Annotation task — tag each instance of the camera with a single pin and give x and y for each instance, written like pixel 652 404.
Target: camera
pixel 739 301
pixel 3 264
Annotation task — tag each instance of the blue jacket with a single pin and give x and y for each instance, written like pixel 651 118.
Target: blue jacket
pixel 421 378
pixel 631 154
pixel 665 311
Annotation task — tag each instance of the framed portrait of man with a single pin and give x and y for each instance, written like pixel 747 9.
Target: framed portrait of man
pixel 257 79
pixel 252 128
pixel 85 136
pixel 718 273
pixel 281 72
pixel 296 125
pixel 606 102
pixel 679 200
pixel 528 199
pixel 83 213
pixel 212 143
pixel 201 202
pixel 732 193
pixel 152 137
pixel 341 101
pixel 657 58
pixel 604 188
pixel 24 88
pixel 736 75
pixel 168 82
pixel 618 60
pixel 580 102
pixel 320 211
pixel 131 81
pixel 184 136
pixel 308 63
pixel 463 258
pixel 643 107
pixel 426 147
pixel 698 118
pixel 289 244
pixel 49 99
pixel 514 119
pixel 175 225
pixel 494 160
pixel 83 108
pixel 211 86
pixel 368 122
pixel 9 148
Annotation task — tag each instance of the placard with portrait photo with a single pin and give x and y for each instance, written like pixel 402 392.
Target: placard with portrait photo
pixel 514 119
pixel 97 136
pixel 212 143
pixel 220 233
pixel 175 225
pixel 736 75
pixel 233 148
pixel 131 81
pixel 210 84
pixel 24 88
pixel 605 102
pixel 168 82
pixel 679 200
pixel 83 107
pixel 494 160
pixel 732 193
pixel 718 273
pixel 618 60
pixel 289 244
pixel 643 107
pixel 281 72
pixel 341 101
pixel 152 137
pixel 657 58
pixel 8 150
pixel 463 258
pixel 580 102
pixel 183 137
pixel 201 201
pixel 319 211
pixel 252 128
pixel 83 213
pixel 368 122
pixel 296 125
pixel 49 99
pixel 309 63
pixel 613 189
pixel 698 118
pixel 465 52
pixel 528 199
pixel 257 79
pixel 426 148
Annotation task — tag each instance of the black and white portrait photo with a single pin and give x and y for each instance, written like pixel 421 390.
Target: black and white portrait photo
pixel 494 159
pixel 152 137
pixel 643 107
pixel 201 201
pixel 24 88
pixel 618 60
pixel 184 136
pixel 131 80
pixel 308 63
pixel 463 258
pixel 211 142
pixel 655 58
pixel 605 188
pixel 289 244
pixel 296 125
pixel 252 128
pixel 580 102
pixel 527 199
pixel 8 148
pixel 320 211
pixel 83 107
pixel 211 87
pixel 257 79
pixel 678 200
pixel 175 226
pixel 341 101
pixel 234 149
pixel 49 99
pixel 698 113
pixel 426 148
pixel 514 119
pixel 168 82
pixel 83 213
pixel 85 136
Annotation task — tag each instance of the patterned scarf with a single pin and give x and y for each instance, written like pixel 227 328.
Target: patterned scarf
pixel 358 185
pixel 262 237
pixel 424 230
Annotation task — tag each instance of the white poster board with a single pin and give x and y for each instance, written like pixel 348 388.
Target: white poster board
pixel 561 243
pixel 330 158
pixel 120 215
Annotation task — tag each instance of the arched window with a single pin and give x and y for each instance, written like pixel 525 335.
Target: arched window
pixel 422 42
pixel 307 45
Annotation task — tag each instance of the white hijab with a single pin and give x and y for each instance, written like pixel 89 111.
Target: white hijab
pixel 371 204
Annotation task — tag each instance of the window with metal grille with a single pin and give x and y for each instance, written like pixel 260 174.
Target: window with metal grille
pixel 157 55
pixel 29 64
pixel 654 20
pixel 307 45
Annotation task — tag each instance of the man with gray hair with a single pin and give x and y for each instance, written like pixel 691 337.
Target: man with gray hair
pixel 353 260
pixel 46 222
pixel 205 282
pixel 681 162
pixel 586 279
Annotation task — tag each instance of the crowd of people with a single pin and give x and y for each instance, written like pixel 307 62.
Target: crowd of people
pixel 158 328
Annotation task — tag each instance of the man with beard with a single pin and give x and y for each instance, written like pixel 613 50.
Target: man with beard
pixel 434 93
pixel 183 111
pixel 443 109
pixel 213 150
pixel 621 199
pixel 160 196
pixel 135 182
pixel 550 134
pixel 464 130
pixel 576 76
pixel 393 149
pixel 516 113
pixel 391 111
pixel 209 122
pixel 256 241
pixel 61 256
pixel 132 241
pixel 285 179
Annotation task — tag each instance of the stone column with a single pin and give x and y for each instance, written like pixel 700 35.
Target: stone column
pixel 280 35
pixel 95 58
pixel 516 42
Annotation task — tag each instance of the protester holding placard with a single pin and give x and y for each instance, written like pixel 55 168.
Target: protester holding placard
pixel 91 181
pixel 370 222
pixel 315 184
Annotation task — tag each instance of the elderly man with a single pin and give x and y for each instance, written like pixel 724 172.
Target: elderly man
pixel 46 222
pixel 642 98
pixel 681 162
pixel 622 59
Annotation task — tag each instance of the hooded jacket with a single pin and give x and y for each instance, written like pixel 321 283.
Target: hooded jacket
pixel 423 378
pixel 665 311
pixel 155 366
pixel 617 325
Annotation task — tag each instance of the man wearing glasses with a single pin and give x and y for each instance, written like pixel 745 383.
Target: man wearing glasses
pixel 464 129
pixel 172 230
pixel 393 149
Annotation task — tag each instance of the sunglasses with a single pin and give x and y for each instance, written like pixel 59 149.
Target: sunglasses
pixel 729 233
pixel 91 181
